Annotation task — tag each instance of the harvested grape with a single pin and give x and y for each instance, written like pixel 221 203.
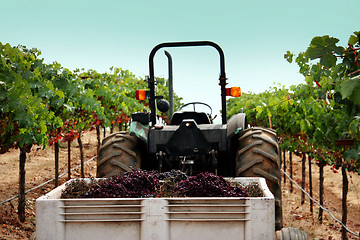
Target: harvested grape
pixel 141 184
pixel 78 187
pixel 208 185
pixel 133 184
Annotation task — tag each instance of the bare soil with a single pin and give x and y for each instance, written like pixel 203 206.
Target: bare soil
pixel 40 168
pixel 297 215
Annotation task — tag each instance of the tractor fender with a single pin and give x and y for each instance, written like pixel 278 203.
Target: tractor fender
pixel 236 124
pixel 139 130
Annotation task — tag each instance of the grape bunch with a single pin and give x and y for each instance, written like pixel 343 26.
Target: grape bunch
pixel 208 185
pixel 133 184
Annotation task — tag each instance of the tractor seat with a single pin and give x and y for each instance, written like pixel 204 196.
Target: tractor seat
pixel 199 117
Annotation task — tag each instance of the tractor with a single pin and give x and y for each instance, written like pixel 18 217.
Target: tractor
pixel 191 142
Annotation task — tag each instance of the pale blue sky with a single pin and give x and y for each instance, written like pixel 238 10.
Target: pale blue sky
pixel 254 36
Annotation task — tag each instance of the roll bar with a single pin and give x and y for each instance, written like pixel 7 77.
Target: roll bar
pixel 151 79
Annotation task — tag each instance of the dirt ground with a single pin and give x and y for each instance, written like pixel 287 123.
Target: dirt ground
pixel 297 215
pixel 40 168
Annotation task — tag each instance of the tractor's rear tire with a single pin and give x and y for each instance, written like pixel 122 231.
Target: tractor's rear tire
pixel 118 153
pixel 291 234
pixel 257 155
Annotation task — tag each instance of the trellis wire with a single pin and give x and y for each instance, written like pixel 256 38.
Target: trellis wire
pixel 49 181
pixel 323 208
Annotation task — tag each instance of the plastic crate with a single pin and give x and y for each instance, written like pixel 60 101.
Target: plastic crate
pixel 157 218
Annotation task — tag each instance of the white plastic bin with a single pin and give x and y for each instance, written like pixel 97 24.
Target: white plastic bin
pixel 157 218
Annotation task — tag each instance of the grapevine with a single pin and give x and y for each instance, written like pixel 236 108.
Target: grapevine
pixel 42 104
pixel 321 116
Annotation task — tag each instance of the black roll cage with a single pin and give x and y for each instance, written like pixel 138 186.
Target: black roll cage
pixel 151 79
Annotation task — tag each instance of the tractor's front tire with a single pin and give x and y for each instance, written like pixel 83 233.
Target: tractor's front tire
pixel 257 155
pixel 118 153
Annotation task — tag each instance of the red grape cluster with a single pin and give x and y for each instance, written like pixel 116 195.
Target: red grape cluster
pixel 133 184
pixel 208 185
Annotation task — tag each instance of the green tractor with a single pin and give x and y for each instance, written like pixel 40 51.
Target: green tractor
pixel 191 142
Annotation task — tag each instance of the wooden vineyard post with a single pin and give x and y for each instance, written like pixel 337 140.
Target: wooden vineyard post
pixel 21 204
pixel 69 160
pixel 344 200
pixel 321 189
pixel 98 139
pixel 291 172
pixel 284 161
pixel 303 176
pixel 310 183
pixel 56 147
pixel 82 174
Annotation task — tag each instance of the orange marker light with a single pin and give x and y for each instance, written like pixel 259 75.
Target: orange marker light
pixel 234 92
pixel 140 94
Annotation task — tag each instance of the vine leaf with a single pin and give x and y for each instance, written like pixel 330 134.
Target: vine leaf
pixel 350 88
pixel 328 60
pixel 353 40
pixel 324 48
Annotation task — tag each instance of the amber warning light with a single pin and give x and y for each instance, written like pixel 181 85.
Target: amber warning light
pixel 141 94
pixel 234 92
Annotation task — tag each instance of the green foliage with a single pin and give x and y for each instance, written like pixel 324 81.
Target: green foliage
pixel 350 88
pixel 23 111
pixel 42 103
pixel 324 48
pixel 312 116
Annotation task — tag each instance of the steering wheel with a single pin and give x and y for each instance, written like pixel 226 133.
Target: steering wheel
pixel 196 103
